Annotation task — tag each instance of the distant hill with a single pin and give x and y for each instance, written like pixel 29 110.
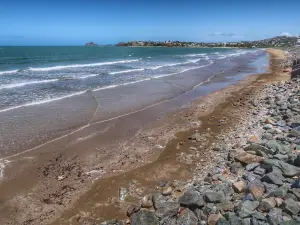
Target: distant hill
pixel 91 44
pixel 279 41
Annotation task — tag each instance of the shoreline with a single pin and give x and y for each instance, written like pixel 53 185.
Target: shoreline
pixel 113 207
pixel 181 119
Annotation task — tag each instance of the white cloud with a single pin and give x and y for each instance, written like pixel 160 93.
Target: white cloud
pixel 287 34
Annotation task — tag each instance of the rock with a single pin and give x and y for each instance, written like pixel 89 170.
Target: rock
pixel 191 199
pixel 213 219
pixel 254 139
pixel 223 221
pixel 269 121
pixel 239 186
pixel 226 206
pixel 252 166
pixel 158 200
pixel 289 170
pixel 187 217
pixel 280 192
pixel 267 126
pixel 259 216
pixel 269 188
pixel 246 208
pixel 236 167
pixel 274 177
pixel 297 161
pixel 233 219
pixel 275 216
pixel 132 209
pixel 278 201
pixel 214 197
pixel 147 201
pixel 295 192
pixel 256 189
pixel 168 209
pixel 259 149
pixel 144 218
pixel 273 146
pixel 260 171
pixel 294 133
pixel 291 207
pixel 267 204
pixel 166 190
pixel 245 158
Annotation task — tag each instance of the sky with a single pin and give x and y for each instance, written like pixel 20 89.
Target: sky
pixel 75 22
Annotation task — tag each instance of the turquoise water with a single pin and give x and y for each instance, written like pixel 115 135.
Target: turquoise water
pixel 33 75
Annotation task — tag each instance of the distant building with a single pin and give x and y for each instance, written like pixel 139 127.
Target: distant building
pixel 298 42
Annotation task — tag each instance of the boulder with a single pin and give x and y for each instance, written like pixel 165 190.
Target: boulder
pixel 259 149
pixel 267 204
pixel 214 197
pixel 191 199
pixel 256 189
pixel 246 208
pixel 252 166
pixel 158 200
pixel 245 158
pixel 289 170
pixel 132 209
pixel 239 186
pixel 274 177
pixel 187 217
pixel 291 207
pixel 274 217
pixel 168 209
pixel 144 217
pixel 147 201
pixel 213 219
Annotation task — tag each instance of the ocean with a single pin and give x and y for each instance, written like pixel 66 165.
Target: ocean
pixel 37 75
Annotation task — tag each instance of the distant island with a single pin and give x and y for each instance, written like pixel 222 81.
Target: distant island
pixel 279 41
pixel 91 44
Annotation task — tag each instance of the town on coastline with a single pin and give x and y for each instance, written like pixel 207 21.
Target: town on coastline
pixel 279 41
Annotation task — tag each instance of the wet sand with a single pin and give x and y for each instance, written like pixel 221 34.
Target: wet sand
pixel 109 133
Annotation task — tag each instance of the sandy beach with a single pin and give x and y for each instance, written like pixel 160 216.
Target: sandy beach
pixel 76 175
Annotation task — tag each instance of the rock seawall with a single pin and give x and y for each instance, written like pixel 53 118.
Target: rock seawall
pixel 256 180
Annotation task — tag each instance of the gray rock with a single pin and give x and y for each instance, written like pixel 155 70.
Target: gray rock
pixel 291 207
pixel 273 146
pixel 191 199
pixel 274 177
pixel 233 219
pixel 259 216
pixel 267 204
pixel 259 149
pixel 187 217
pixel 236 167
pixel 214 197
pixel 297 161
pixel 269 188
pixel 259 171
pixel 295 192
pixel 289 222
pixel 222 221
pixel 252 166
pixel 158 200
pixel 168 209
pixel 200 214
pixel 246 208
pixel 280 192
pixel 289 170
pixel 144 218
pixel 275 216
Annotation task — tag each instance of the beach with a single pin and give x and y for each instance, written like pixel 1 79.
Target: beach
pixel 122 138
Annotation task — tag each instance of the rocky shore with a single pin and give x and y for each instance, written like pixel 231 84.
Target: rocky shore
pixel 292 54
pixel 254 178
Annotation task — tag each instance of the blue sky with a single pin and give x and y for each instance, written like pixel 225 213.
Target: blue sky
pixel 53 22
